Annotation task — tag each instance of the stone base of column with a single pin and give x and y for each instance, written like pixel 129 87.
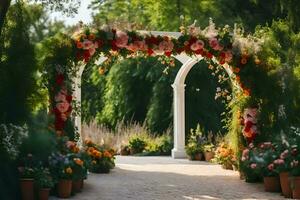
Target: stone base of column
pixel 178 153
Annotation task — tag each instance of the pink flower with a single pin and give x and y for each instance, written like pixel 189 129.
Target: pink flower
pixel 243 158
pixel 214 44
pixel 61 96
pixel 246 152
pixel 63 106
pixel 198 45
pixel 166 46
pixel 271 167
pixel 253 165
pixel 87 44
pixel 279 161
pixel 137 46
pixel 251 145
pixel 228 56
pixel 121 39
pixel 92 51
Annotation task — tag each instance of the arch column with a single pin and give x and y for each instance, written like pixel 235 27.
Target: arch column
pixel 179 104
pixel 179 121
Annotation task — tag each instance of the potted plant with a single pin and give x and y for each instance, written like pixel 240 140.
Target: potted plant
pixel 136 145
pixel 282 166
pixel 250 165
pixel 80 173
pixel 102 160
pixel 224 155
pixel 61 167
pixel 271 178
pixel 27 182
pixel 209 151
pixel 44 183
pixel 194 147
pixel 295 172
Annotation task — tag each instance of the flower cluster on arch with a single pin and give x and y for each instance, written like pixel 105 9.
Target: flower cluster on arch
pixel 221 47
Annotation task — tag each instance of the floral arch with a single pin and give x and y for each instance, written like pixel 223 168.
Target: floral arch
pixel 220 48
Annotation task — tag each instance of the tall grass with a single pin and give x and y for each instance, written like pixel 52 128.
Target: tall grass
pixel 119 137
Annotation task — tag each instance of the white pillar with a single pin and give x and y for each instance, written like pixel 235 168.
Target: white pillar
pixel 179 121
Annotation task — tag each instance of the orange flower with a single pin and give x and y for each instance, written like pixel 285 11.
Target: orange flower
pixel 69 170
pixel 78 161
pixel 75 149
pixel 79 45
pixel 257 61
pixel 88 142
pixel 92 37
pixel 236 70
pixel 101 70
pixel 238 78
pixel 98 154
pixel 107 154
pixel 243 60
pixel 247 92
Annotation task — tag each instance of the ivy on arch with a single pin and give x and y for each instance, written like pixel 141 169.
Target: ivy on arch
pixel 222 48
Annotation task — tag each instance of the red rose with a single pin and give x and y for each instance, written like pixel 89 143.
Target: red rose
pixel 150 52
pixel 168 53
pixel 86 56
pixel 60 79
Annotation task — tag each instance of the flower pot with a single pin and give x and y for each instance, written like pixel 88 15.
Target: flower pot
pixel 296 187
pixel 27 189
pixel 76 186
pixel 285 184
pixel 64 188
pixel 198 156
pixel 272 184
pixel 44 193
pixel 209 155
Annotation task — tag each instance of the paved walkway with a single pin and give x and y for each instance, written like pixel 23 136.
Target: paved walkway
pixel 163 178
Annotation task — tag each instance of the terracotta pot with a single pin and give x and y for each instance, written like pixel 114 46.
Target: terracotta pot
pixel 272 184
pixel 198 156
pixel 27 189
pixel 209 155
pixel 64 188
pixel 296 187
pixel 285 184
pixel 76 186
pixel 44 193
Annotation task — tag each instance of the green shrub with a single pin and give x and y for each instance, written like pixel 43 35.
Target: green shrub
pixel 137 145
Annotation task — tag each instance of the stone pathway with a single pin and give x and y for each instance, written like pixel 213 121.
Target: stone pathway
pixel 163 178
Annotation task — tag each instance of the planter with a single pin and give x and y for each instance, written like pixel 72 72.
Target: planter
pixel 27 189
pixel 285 184
pixel 272 184
pixel 44 193
pixel 76 186
pixel 296 187
pixel 209 155
pixel 64 188
pixel 197 156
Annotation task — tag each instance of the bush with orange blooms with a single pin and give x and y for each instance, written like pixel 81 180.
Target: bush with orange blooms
pixel 225 156
pixel 101 159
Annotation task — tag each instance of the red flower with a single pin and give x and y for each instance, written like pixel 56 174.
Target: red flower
pixel 150 52
pixel 199 52
pixel 86 56
pixel 151 40
pixel 208 55
pixel 69 98
pixel 60 79
pixel 114 47
pixel 168 53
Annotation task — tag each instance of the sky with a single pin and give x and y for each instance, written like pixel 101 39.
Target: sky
pixel 84 15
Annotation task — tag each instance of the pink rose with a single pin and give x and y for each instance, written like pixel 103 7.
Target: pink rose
pixel 87 44
pixel 198 45
pixel 271 167
pixel 166 46
pixel 60 97
pixel 253 165
pixel 246 152
pixel 137 46
pixel 251 145
pixel 228 56
pixel 121 39
pixel 63 106
pixel 214 44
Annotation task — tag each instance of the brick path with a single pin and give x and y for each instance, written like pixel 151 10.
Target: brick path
pixel 162 178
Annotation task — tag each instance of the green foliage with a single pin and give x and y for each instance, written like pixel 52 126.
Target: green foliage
pixel 43 178
pixel 17 68
pixel 196 142
pixel 137 145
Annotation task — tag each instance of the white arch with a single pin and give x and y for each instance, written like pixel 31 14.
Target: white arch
pixel 178 94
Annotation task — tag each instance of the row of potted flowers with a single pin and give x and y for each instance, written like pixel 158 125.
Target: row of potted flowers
pixel 65 171
pixel 278 165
